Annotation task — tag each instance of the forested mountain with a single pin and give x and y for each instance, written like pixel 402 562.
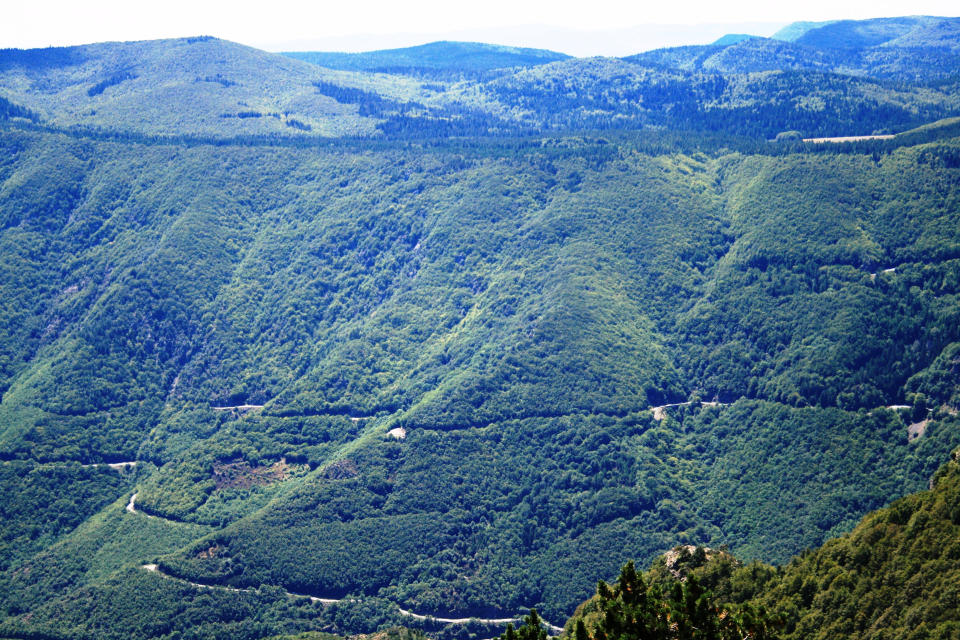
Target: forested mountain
pixel 212 88
pixel 918 50
pixel 436 56
pixel 856 34
pixel 199 86
pixel 456 345
pixel 796 29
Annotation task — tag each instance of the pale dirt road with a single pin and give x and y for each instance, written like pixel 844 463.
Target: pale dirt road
pixel 659 413
pixel 131 507
pixel 846 139
pixel 119 466
pixel 404 612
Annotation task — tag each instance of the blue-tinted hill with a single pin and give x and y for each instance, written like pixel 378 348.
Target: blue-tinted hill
pixel 857 34
pixel 796 29
pixel 733 38
pixel 915 49
pixel 463 56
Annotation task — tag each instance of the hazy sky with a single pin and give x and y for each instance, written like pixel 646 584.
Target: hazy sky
pixel 39 23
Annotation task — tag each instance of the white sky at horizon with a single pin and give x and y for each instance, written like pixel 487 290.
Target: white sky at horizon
pixel 41 23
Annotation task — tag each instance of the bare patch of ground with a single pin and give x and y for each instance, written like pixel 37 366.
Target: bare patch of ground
pixel 917 429
pixel 672 557
pixel 242 475
pixel 342 470
pixel 212 552
pixel 679 560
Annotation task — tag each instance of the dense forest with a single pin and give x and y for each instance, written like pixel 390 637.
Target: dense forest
pixel 381 349
pixel 893 576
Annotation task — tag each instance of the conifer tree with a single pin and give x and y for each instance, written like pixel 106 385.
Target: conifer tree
pixel 685 611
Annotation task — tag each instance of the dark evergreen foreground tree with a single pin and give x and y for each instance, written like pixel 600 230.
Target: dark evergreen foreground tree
pixel 532 629
pixel 634 610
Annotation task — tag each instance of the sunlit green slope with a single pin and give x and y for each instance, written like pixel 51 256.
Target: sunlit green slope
pixel 516 309
pixel 432 345
pixel 188 86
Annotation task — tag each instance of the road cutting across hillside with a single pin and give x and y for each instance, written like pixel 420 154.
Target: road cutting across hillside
pixel 325 601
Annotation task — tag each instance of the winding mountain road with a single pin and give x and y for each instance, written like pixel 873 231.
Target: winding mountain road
pixel 131 507
pixel 117 466
pixel 659 413
pixel 154 568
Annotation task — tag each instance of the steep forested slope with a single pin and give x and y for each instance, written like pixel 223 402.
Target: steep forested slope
pixel 448 361
pixel 894 576
pixel 516 310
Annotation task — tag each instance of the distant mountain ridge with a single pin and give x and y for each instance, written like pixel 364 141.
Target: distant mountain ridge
pixel 796 29
pixel 851 34
pixel 215 88
pixel 732 38
pixel 912 49
pixel 470 56
pixel 854 34
pixel 619 41
pixel 193 86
